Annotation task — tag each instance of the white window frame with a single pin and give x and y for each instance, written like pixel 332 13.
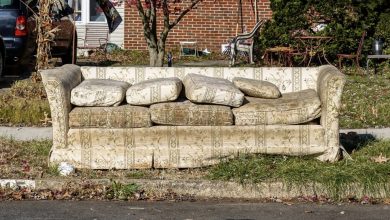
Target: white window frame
pixel 85 14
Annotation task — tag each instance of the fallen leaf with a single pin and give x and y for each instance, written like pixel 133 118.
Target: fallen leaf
pixel 380 159
pixel 386 201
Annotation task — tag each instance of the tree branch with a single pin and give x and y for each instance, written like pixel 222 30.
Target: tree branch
pixel 153 20
pixel 144 18
pixel 183 13
pixel 165 31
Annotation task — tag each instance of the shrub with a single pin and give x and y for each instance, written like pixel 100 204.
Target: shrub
pixel 382 29
pixel 345 21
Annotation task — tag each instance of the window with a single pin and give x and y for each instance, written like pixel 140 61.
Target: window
pixel 77 7
pixel 86 11
pixel 95 12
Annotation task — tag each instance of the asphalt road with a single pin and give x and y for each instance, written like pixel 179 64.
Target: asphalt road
pixel 186 210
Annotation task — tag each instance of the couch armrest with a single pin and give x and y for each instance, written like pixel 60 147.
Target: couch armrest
pixel 330 84
pixel 58 84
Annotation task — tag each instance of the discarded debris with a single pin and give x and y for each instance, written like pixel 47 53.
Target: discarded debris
pixel 65 168
pixel 380 159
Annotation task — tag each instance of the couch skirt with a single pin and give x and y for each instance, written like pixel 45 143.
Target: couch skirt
pixel 183 146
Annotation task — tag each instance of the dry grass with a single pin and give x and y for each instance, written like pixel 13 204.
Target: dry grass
pixel 21 159
pixel 25 104
pixel 28 89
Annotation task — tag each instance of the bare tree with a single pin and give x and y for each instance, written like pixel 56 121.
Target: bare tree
pixel 148 12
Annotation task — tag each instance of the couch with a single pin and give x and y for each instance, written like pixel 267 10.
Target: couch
pixel 111 144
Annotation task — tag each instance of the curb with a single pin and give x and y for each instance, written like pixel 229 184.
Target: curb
pixel 211 189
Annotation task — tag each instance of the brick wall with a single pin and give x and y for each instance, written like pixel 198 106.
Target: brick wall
pixel 211 24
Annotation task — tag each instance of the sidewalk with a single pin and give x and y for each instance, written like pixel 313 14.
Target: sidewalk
pixel 26 133
pixel 36 133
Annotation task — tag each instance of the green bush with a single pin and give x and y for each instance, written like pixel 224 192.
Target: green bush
pixel 382 29
pixel 345 21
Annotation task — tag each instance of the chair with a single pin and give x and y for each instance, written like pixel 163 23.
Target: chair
pixel 298 52
pixel 94 39
pixel 244 43
pixel 354 57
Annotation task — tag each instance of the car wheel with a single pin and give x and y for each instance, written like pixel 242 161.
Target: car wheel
pixel 70 54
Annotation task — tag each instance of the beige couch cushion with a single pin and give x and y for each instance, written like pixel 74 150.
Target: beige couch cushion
pixel 154 91
pixel 99 92
pixel 188 113
pixel 124 116
pixel 291 108
pixel 257 88
pixel 204 89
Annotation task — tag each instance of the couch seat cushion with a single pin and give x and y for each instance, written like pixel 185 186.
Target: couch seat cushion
pixel 99 92
pixel 188 113
pixel 257 88
pixel 204 89
pixel 291 108
pixel 154 91
pixel 123 116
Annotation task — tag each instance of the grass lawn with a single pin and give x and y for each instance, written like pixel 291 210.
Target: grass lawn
pixel 369 168
pixel 366 102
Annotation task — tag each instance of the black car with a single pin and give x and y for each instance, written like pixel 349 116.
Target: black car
pixel 2 55
pixel 17 27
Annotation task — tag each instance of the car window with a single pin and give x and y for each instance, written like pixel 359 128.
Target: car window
pixel 9 4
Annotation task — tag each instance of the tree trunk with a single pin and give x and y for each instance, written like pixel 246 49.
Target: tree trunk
pixel 153 56
pixel 156 58
pixel 160 58
pixel 157 55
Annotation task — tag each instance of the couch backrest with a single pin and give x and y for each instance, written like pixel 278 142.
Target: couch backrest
pixel 288 79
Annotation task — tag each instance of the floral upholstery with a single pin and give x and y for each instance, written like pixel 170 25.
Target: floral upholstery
pixel 204 89
pixel 291 108
pixel 154 91
pixel 124 116
pixel 188 113
pixel 184 146
pixel 99 92
pixel 257 88
pixel 191 146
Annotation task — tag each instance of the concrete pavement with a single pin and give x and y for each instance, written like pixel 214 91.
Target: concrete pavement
pixel 27 133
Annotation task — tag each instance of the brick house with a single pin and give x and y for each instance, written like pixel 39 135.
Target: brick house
pixel 211 24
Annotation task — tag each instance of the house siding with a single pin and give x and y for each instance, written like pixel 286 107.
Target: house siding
pixel 210 24
pixel 101 29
